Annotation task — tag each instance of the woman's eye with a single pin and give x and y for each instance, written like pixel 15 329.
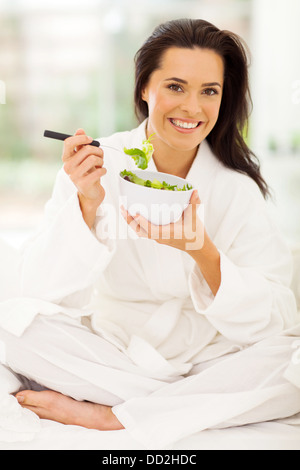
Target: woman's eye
pixel 175 87
pixel 210 91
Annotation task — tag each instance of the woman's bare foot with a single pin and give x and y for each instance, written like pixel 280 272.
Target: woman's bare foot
pixel 57 407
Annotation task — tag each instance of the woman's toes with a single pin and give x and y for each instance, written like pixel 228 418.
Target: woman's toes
pixel 21 396
pixel 31 398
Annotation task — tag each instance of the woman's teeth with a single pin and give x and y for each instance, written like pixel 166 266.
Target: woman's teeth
pixel 183 124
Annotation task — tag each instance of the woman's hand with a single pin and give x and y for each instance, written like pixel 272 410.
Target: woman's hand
pixel 187 234
pixel 84 165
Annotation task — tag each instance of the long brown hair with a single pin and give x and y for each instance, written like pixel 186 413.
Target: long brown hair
pixel 226 138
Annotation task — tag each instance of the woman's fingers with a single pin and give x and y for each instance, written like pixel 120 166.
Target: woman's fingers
pixel 90 179
pixel 87 157
pixel 150 230
pixel 79 132
pixel 194 200
pixel 84 152
pixel 84 164
pixel 186 234
pixel 133 223
pixel 190 213
pixel 71 143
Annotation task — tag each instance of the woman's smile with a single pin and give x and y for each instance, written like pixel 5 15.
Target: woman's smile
pixel 185 126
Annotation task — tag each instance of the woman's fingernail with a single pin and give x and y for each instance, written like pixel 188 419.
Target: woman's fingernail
pixel 20 399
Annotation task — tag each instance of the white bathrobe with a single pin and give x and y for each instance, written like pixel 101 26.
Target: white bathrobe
pixel 149 300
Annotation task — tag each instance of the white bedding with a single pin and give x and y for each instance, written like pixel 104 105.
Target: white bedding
pixel 23 430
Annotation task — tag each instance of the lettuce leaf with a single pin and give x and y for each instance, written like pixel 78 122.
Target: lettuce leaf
pixel 138 156
pixel 141 156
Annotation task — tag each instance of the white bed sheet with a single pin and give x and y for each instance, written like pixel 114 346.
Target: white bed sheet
pixel 262 436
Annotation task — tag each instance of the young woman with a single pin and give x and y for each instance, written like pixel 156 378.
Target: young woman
pixel 175 340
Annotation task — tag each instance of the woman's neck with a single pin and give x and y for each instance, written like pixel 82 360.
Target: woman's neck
pixel 169 160
pixel 175 162
pixel 173 166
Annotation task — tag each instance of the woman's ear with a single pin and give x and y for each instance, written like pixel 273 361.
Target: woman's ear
pixel 145 95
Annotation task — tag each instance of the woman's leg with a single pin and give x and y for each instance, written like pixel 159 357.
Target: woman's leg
pixel 234 390
pixel 61 354
pixel 79 369
pixel 237 389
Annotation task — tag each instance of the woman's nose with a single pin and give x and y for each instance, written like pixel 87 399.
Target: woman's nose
pixel 192 105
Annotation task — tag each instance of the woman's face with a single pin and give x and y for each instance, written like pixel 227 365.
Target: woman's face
pixel 184 97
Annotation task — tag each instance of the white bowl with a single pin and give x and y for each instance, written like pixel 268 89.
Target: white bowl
pixel 159 206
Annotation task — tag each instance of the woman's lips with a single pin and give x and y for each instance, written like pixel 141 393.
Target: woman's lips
pixel 185 126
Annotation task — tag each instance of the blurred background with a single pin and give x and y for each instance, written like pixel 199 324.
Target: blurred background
pixel 69 64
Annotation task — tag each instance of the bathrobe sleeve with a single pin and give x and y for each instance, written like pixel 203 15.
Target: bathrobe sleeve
pixel 61 262
pixel 254 299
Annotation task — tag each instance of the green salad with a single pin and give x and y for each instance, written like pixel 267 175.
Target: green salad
pixel 141 158
pixel 129 176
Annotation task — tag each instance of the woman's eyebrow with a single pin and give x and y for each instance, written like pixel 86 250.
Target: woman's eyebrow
pixel 180 80
pixel 175 79
pixel 212 84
